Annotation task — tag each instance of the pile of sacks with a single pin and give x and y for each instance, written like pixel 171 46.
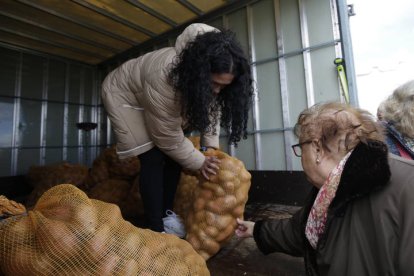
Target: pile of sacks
pixel 110 179
pixel 209 208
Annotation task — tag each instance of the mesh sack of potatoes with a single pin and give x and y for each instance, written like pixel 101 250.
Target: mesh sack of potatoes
pixel 69 234
pixel 132 206
pixel 108 166
pixel 126 168
pixel 123 193
pixel 42 178
pixel 210 207
pixel 10 208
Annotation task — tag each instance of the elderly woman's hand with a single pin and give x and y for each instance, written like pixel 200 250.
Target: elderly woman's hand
pixel 244 228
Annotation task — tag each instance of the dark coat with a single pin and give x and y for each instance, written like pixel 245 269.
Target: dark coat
pixel 395 138
pixel 370 223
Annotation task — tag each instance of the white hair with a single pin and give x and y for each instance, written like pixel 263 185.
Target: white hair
pixel 398 108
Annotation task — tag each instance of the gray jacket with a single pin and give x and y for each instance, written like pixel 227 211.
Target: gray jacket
pixel 370 223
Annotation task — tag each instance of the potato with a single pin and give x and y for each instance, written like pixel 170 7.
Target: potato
pixel 130 268
pixel 107 265
pixel 54 236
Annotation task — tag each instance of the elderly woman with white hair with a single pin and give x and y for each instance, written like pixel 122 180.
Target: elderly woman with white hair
pixel 359 216
pixel 397 115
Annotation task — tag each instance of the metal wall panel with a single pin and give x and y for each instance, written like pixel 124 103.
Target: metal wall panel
pixel 54 123
pixel 326 84
pixel 74 84
pixel 88 89
pixel 5 157
pixel 237 22
pixel 72 120
pixel 9 60
pixel 270 102
pixel 37 122
pixel 274 145
pixel 318 17
pixel 32 77
pixel 25 159
pixel 29 124
pixel 6 121
pixel 53 156
pixel 264 30
pixel 56 81
pixel 245 152
pixel 291 47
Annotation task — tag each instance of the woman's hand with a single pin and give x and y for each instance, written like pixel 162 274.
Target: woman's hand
pixel 210 166
pixel 244 228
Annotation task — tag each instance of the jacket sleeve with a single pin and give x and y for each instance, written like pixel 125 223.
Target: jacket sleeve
pixel 163 122
pixel 280 235
pixel 406 213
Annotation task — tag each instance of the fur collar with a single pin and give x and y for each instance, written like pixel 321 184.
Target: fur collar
pixel 366 170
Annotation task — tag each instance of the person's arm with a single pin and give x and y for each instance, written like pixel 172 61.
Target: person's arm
pixel 163 122
pixel 275 235
pixel 166 133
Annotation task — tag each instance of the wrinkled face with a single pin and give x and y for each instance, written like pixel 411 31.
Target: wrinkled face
pixel 219 81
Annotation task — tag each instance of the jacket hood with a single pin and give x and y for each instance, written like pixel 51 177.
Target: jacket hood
pixel 190 33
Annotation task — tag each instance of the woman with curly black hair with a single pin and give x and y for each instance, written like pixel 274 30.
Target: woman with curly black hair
pixel 202 83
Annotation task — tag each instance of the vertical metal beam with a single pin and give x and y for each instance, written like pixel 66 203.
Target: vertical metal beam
pixel 99 111
pixel 307 64
pixel 94 116
pixel 16 116
pixel 256 115
pixel 108 124
pixel 284 91
pixel 348 54
pixel 81 116
pixel 335 29
pixel 43 115
pixel 66 114
pixel 108 131
pixel 231 148
pixel 336 33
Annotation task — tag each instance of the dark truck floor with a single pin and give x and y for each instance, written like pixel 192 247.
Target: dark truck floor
pixel 241 256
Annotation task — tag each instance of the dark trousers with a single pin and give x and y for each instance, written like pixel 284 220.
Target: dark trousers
pixel 158 182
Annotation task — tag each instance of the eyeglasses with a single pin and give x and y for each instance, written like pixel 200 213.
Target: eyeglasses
pixel 297 149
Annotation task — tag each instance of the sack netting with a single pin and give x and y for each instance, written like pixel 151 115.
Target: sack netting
pixel 67 233
pixel 210 207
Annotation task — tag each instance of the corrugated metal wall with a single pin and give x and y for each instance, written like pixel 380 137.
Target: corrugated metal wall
pixel 291 45
pixel 41 100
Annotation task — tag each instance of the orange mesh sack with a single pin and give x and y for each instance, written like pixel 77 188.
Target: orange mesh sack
pixel 210 218
pixel 184 197
pixel 42 178
pixel 10 208
pixel 133 206
pixel 122 193
pixel 69 234
pixel 108 166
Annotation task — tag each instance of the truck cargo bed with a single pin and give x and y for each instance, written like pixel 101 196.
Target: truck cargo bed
pixel 241 256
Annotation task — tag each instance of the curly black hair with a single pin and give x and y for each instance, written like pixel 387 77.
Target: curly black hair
pixel 214 53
